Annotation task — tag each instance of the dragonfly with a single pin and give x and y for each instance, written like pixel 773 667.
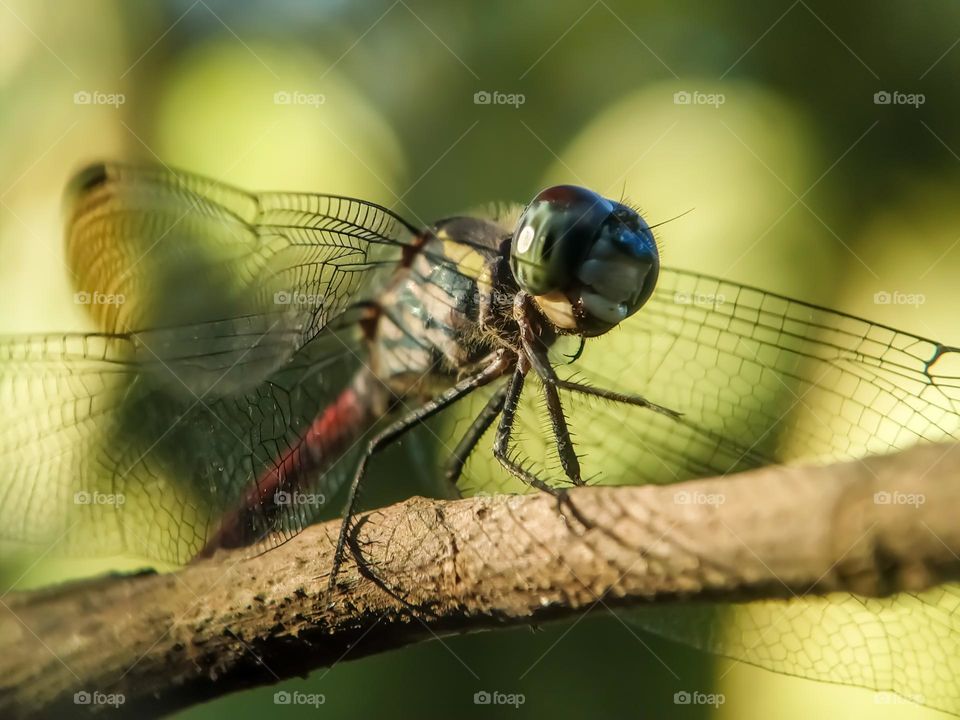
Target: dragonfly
pixel 254 352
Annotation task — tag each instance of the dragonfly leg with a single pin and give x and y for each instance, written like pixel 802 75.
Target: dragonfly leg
pixel 536 354
pixel 501 448
pixel 476 430
pixel 614 396
pixel 561 433
pixel 501 444
pixel 396 430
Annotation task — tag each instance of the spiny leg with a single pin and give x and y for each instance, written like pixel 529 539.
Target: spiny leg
pixel 397 429
pixel 501 452
pixel 536 354
pixel 561 435
pixel 474 433
pixel 614 396
pixel 501 444
pixel 541 365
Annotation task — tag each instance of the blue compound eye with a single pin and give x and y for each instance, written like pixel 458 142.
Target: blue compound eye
pixel 589 262
pixel 553 236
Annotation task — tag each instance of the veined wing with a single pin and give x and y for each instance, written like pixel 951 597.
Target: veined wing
pixel 183 260
pixel 907 644
pixel 220 314
pixel 762 379
pixel 758 378
pixel 103 456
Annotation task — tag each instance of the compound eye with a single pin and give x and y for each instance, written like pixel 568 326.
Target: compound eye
pixel 620 272
pixel 553 236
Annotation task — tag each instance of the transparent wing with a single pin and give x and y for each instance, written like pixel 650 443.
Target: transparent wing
pixel 758 378
pixel 184 261
pixel 101 457
pixel 762 379
pixel 224 331
pixel 908 644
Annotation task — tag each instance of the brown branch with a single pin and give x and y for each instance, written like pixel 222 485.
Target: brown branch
pixel 432 567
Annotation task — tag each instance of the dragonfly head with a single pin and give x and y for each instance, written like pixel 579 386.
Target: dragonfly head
pixel 588 262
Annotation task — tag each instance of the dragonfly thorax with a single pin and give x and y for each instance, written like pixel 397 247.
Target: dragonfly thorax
pixel 589 262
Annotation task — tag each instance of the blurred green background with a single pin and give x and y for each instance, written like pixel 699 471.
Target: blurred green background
pixel 765 119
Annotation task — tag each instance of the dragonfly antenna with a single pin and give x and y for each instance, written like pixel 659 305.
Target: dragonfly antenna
pixel 675 217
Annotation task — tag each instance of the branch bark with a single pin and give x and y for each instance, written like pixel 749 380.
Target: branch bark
pixel 874 527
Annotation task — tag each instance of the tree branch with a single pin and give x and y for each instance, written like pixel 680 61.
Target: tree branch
pixel 430 567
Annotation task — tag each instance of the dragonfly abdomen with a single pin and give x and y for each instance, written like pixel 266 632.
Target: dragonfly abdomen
pixel 272 505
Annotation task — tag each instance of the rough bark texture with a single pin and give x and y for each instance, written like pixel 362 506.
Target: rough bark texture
pixel 434 567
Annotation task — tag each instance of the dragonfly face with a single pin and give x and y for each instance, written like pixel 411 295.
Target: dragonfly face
pixel 589 262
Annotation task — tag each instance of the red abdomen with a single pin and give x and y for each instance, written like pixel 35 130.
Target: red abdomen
pixel 261 510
